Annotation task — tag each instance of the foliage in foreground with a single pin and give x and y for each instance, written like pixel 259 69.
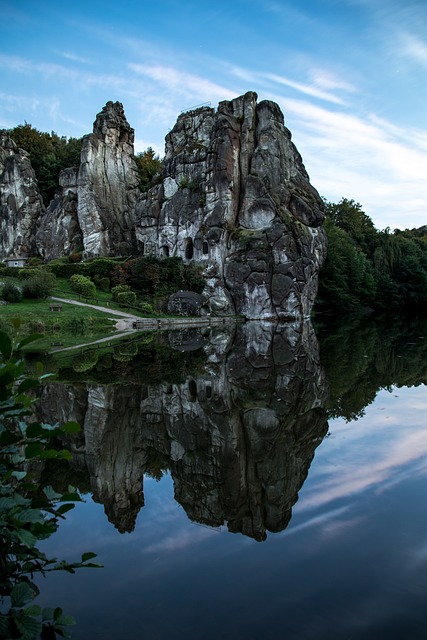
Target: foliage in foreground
pixel 27 515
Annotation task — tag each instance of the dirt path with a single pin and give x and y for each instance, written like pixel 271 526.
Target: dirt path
pixel 122 324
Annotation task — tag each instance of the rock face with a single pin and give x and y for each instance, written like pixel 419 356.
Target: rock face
pixel 238 437
pixel 107 185
pixel 235 198
pixel 59 231
pixel 21 205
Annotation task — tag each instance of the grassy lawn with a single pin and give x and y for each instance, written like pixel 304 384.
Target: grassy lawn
pixel 72 325
pixel 103 299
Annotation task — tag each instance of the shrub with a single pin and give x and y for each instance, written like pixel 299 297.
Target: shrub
pixel 83 285
pixel 101 267
pixel 104 284
pixel 118 289
pixel 127 297
pixel 39 285
pixel 66 269
pixel 11 293
pixel 85 361
pixel 75 257
pixel 145 307
pixel 34 262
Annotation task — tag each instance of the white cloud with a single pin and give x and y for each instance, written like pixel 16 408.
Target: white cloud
pixel 74 57
pixel 310 90
pixel 368 159
pixel 184 83
pixel 414 48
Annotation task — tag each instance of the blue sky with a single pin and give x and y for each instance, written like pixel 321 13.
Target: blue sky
pixel 349 75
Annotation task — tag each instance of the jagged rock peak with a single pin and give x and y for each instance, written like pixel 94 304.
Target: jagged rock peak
pixel 111 125
pixel 20 201
pixel 108 185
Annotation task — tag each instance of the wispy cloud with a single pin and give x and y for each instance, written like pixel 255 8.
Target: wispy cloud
pixel 365 158
pixel 413 47
pixel 371 466
pixel 311 90
pixel 183 82
pixel 74 57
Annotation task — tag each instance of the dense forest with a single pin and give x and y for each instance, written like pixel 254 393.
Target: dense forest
pixel 365 268
pixel 371 269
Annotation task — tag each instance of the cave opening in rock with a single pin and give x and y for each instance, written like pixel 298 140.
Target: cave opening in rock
pixel 189 249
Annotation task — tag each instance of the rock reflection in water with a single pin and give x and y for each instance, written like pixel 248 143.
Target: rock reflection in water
pixel 238 438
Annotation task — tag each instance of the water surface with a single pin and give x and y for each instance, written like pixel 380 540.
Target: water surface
pixel 259 492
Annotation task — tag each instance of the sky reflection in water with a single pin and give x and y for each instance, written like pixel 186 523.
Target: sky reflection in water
pixel 352 563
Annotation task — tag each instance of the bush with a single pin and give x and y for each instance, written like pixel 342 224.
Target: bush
pixel 83 285
pixel 102 283
pixel 11 293
pixel 64 269
pixel 145 307
pixel 127 297
pixel 75 257
pixel 34 262
pixel 85 361
pixel 118 289
pixel 101 267
pixel 39 285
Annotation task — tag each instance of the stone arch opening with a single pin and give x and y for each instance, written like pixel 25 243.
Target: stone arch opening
pixel 205 247
pixel 165 251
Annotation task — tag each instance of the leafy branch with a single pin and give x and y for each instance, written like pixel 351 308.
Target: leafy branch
pixel 26 515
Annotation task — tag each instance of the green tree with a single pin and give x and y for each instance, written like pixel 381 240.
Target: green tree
pixel 347 279
pixel 348 216
pixel 149 165
pixel 49 154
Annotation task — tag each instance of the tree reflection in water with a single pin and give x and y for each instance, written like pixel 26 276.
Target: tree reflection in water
pixel 234 414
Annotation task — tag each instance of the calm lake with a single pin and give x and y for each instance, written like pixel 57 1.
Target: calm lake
pixel 250 481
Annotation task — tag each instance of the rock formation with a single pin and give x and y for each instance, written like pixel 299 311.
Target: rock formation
pixel 108 185
pixel 238 437
pixel 59 230
pixel 21 205
pixel 235 198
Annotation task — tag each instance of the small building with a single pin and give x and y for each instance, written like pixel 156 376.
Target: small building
pixel 15 261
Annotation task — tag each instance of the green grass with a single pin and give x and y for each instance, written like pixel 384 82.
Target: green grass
pixel 103 299
pixel 72 325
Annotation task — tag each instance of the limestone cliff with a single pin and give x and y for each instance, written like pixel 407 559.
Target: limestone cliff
pixel 107 185
pixel 21 205
pixel 235 198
